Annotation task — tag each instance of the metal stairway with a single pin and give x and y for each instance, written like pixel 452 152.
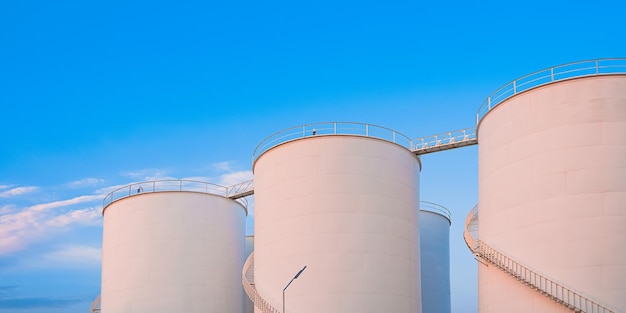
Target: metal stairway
pixel 247 278
pixel 95 305
pixel 546 286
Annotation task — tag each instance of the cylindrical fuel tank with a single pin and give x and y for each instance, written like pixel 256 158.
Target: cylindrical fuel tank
pixel 343 204
pixel 434 229
pixel 172 246
pixel 552 189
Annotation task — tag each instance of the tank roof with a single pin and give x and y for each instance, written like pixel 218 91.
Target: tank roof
pixel 436 208
pixel 136 189
pixel 331 129
pixel 596 67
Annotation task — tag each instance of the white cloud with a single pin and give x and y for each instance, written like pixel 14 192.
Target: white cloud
pixel 148 174
pixel 20 228
pixel 5 186
pixel 230 179
pixel 6 209
pixel 69 256
pixel 62 203
pixel 89 216
pixel 85 182
pixel 225 166
pixel 17 191
pixel 199 178
pixel 75 255
pixel 108 189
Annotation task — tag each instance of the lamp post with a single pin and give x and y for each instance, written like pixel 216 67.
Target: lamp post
pixel 300 272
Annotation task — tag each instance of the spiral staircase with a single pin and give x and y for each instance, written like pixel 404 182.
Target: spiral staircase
pixel 526 275
pixel 247 277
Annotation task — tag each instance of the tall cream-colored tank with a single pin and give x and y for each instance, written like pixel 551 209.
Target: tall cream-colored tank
pixel 172 246
pixel 552 190
pixel 434 228
pixel 340 199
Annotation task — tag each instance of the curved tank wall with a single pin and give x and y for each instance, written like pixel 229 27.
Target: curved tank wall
pixel 434 229
pixel 345 207
pixel 552 188
pixel 248 305
pixel 173 252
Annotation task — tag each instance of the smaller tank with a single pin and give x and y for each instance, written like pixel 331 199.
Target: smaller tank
pixel 172 246
pixel 434 227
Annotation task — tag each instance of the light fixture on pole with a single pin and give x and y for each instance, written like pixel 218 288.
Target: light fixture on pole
pixel 300 272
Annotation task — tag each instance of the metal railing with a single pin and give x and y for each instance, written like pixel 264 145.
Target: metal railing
pixel 240 190
pixel 168 185
pixel 247 280
pixel 546 286
pixel 612 66
pixel 95 305
pixel 470 235
pixel 444 141
pixel 436 208
pixel 331 128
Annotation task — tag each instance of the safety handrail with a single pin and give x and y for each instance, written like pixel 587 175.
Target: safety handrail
pixel 470 235
pixel 167 185
pixel 436 208
pixel 95 305
pixel 556 291
pixel 247 281
pixel 240 190
pixel 597 67
pixel 328 129
pixel 444 141
pixel 548 287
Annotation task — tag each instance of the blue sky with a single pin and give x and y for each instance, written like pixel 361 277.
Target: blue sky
pixel 96 95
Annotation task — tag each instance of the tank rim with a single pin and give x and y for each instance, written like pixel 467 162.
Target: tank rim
pixel 331 129
pixel 169 185
pixel 432 207
pixel 550 75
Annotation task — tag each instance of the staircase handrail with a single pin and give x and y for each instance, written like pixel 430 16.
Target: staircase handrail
pixel 556 291
pixel 567 297
pixel 251 291
pixel 95 305
pixel 471 227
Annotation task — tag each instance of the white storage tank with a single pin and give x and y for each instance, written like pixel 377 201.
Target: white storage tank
pixel 434 231
pixel 552 189
pixel 172 246
pixel 340 199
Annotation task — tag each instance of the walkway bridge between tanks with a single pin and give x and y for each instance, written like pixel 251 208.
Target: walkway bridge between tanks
pixel 524 274
pixel 240 190
pixel 445 141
